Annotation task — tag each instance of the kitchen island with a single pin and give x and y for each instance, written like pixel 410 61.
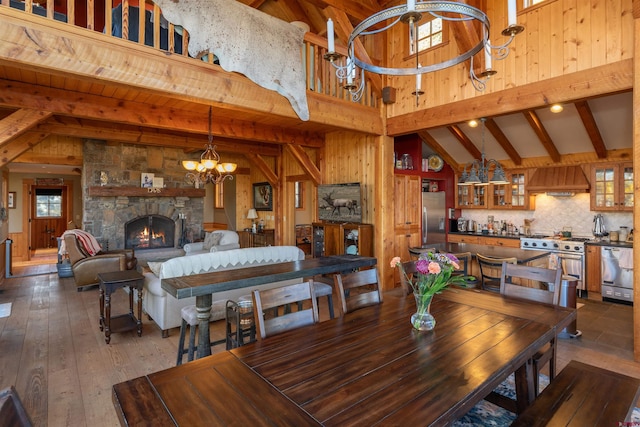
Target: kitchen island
pixel 524 256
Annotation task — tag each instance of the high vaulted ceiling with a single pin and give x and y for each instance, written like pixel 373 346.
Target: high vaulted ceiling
pixel 534 137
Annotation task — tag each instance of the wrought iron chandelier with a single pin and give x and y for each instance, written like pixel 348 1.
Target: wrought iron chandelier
pixel 209 169
pixel 410 14
pixel 479 169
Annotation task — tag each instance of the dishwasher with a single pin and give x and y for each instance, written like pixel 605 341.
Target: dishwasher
pixel 617 274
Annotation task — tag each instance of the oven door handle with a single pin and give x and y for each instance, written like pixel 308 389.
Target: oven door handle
pixel 574 257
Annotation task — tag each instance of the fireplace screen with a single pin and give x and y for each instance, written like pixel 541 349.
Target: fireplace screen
pixel 149 232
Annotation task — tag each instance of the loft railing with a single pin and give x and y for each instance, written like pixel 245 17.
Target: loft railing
pixel 121 18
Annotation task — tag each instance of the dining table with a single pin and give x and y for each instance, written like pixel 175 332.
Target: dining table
pixel 204 285
pixel 367 367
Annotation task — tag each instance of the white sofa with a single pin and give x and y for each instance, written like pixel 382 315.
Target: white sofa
pixel 164 309
pixel 229 239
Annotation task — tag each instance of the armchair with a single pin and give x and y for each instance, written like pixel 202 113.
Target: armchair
pixel 86 267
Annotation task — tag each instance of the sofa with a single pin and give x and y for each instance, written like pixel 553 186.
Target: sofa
pixel 215 241
pixel 164 309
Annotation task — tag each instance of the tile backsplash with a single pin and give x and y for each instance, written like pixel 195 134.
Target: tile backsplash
pixel 554 214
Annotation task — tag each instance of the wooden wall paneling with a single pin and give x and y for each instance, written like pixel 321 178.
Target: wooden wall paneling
pixel 543 45
pixel 577 22
pixel 613 25
pixel 556 45
pixel 598 42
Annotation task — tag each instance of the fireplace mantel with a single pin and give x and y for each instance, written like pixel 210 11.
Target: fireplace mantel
pixel 110 191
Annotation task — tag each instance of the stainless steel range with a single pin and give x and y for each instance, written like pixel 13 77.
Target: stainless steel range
pixel 566 252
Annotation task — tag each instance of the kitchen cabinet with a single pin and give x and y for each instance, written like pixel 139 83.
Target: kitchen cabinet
pixel 408 199
pixel 612 187
pixel 337 239
pixel 471 196
pixel 249 239
pixel 513 195
pixel 593 269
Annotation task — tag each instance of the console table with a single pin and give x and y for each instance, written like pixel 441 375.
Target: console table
pixel 248 239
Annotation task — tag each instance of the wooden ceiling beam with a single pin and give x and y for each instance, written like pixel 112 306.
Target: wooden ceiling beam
pixel 20 122
pixel 305 161
pixel 591 126
pixel 355 9
pixel 502 139
pixel 465 141
pixel 435 146
pixel 20 144
pixel 264 167
pixel 543 136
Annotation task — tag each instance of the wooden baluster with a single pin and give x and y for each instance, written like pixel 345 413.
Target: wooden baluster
pixel 108 21
pixel 90 14
pixel 142 20
pixel 125 20
pixel 156 26
pixel 71 12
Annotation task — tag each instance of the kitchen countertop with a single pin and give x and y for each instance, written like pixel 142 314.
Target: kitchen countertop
pixel 523 255
pixel 506 236
pixel 607 243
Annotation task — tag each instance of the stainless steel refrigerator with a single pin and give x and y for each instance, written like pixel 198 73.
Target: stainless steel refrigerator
pixel 433 218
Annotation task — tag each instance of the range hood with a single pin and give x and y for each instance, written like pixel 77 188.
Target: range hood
pixel 562 181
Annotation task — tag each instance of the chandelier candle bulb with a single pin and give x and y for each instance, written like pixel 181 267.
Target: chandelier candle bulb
pixel 418 80
pixel 511 12
pixel 487 56
pixel 330 37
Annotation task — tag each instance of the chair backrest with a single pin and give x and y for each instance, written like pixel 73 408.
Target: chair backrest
pixel 545 275
pixel 491 268
pixel 290 295
pixel 359 289
pixel 465 263
pixel 409 268
pixel 416 252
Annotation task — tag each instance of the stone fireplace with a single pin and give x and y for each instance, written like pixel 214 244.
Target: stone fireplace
pixel 149 232
pixel 107 213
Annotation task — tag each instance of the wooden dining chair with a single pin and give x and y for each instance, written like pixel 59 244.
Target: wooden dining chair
pixel 415 253
pixel 491 270
pixel 552 277
pixel 409 268
pixel 465 263
pixel 289 295
pixel 359 289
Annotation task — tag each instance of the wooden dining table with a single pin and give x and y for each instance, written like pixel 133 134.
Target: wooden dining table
pixel 203 286
pixel 368 367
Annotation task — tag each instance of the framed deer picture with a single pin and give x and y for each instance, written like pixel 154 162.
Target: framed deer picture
pixel 340 202
pixel 262 196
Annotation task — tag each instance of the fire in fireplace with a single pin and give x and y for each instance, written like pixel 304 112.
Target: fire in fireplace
pixel 150 232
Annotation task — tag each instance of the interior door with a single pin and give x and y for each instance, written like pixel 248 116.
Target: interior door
pixel 48 215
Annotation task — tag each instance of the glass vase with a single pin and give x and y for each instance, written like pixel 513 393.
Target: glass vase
pixel 422 319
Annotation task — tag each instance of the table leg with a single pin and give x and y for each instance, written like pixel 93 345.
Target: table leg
pixel 107 314
pixel 101 308
pixel 203 308
pixel 130 301
pixel 139 318
pixel 524 386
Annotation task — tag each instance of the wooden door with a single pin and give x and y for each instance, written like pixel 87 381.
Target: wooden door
pixel 48 215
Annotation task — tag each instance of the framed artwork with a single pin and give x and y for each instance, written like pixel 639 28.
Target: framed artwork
pixel 11 203
pixel 146 180
pixel 262 196
pixel 158 182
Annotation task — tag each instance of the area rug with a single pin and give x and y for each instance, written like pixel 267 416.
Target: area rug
pixel 487 414
pixel 5 309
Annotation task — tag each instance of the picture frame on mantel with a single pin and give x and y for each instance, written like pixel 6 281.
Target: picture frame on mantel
pixel 263 196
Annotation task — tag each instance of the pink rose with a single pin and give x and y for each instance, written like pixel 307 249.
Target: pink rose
pixel 395 261
pixel 434 268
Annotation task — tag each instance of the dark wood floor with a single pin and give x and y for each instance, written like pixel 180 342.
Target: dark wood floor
pixel 52 350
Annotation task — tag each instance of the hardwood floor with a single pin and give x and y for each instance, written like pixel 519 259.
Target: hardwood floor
pixel 52 350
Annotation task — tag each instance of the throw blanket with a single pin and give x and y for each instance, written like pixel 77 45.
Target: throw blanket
pixel 246 40
pixel 88 242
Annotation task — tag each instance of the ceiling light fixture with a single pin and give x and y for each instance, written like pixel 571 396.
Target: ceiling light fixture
pixel 410 14
pixel 209 169
pixel 479 169
pixel 473 123
pixel 556 108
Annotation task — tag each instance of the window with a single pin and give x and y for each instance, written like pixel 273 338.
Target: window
pixel 48 203
pixel 428 35
pixel 299 194
pixel 529 3
pixel 218 199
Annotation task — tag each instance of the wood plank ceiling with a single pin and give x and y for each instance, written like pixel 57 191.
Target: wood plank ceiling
pixel 585 126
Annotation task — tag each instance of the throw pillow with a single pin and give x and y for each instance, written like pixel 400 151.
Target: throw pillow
pixel 155 267
pixel 211 240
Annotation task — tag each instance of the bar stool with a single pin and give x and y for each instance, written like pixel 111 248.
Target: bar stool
pixel 240 322
pixel 190 318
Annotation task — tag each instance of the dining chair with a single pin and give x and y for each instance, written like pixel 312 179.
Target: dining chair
pixel 465 263
pixel 551 295
pixel 289 295
pixel 415 253
pixel 409 268
pixel 491 270
pixel 358 289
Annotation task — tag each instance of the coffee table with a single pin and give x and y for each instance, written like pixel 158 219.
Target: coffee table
pixel 109 283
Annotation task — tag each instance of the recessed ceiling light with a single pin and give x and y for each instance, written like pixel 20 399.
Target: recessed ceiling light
pixel 556 108
pixel 473 123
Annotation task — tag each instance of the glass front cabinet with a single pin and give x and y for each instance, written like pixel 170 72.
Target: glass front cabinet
pixel 612 187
